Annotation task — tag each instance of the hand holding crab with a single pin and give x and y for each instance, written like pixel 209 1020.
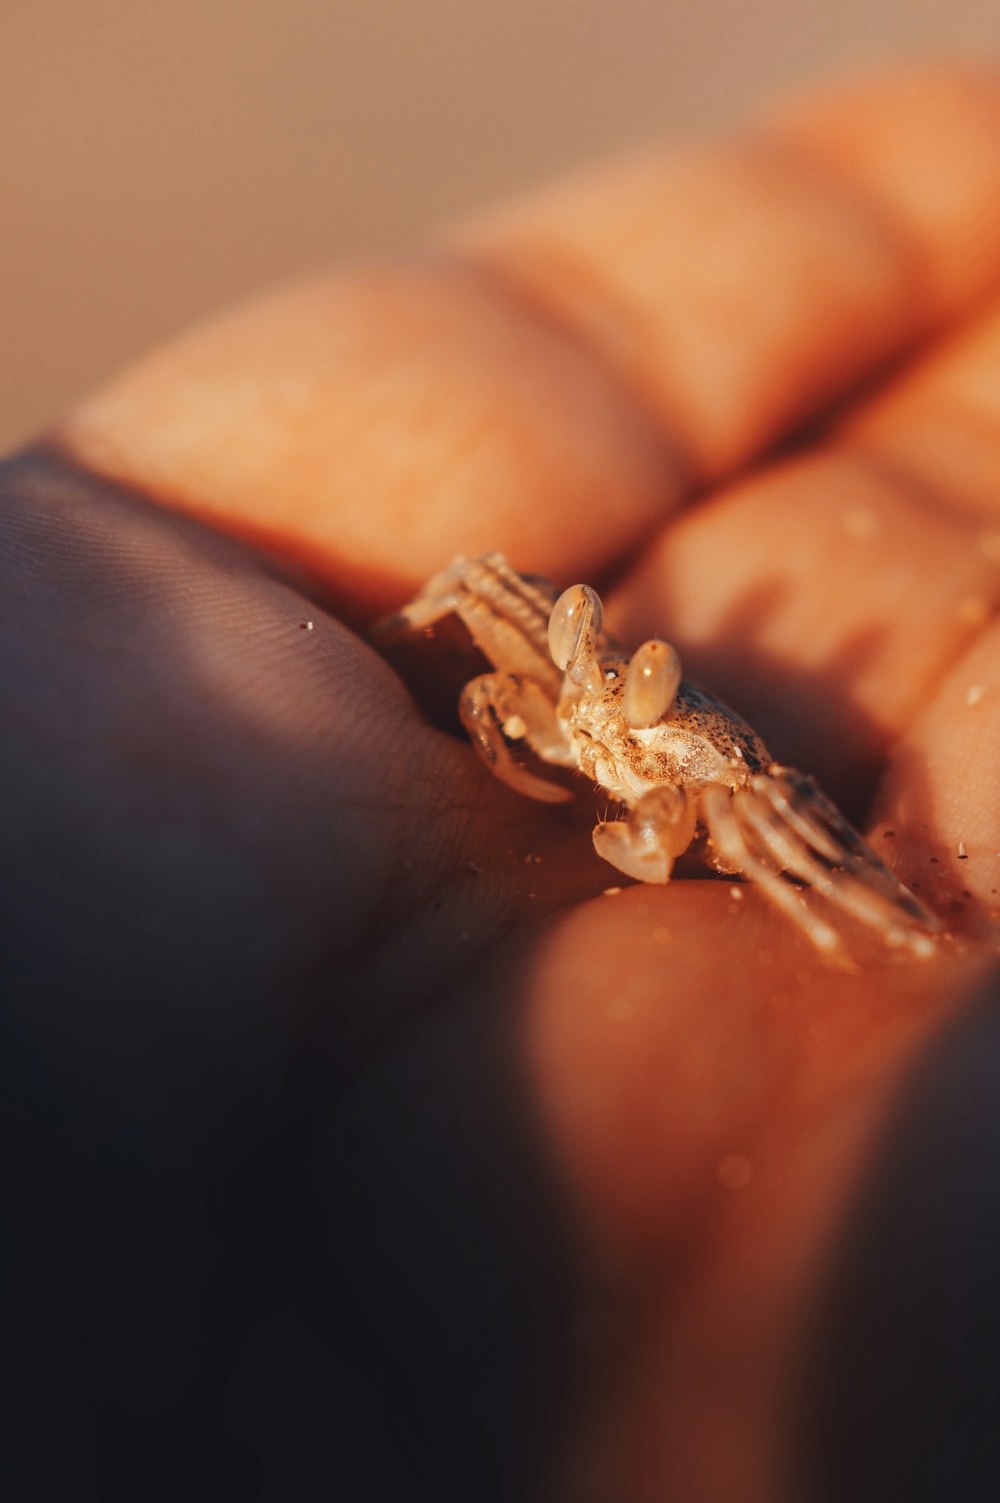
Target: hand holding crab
pixel 688 770
pixel 252 931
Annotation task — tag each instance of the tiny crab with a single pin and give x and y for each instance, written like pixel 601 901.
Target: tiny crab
pixel 684 768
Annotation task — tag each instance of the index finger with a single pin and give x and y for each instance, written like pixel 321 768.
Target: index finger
pixel 555 381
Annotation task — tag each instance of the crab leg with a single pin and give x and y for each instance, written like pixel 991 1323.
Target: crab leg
pixel 842 888
pixel 730 840
pixel 799 803
pixel 498 708
pixel 506 614
pixel 646 844
pixel 786 799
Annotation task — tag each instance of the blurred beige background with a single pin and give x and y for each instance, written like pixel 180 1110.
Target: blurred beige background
pixel 159 158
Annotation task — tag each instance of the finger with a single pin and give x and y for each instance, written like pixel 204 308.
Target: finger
pixel 593 357
pixel 889 141
pixel 938 425
pixel 699 1042
pixel 822 598
pixel 943 785
pixel 739 288
pixel 711 1090
pixel 827 596
pixel 371 427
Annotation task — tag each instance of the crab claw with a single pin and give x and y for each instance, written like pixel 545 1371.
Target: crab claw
pixel 647 843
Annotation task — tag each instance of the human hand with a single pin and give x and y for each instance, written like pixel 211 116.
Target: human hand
pixel 334 1057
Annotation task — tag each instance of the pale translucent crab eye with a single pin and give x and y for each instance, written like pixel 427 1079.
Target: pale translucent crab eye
pixel 577 614
pixel 650 683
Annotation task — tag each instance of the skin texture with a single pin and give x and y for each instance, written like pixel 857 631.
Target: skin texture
pixel 336 1045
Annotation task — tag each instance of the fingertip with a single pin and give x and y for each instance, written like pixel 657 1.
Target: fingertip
pixel 922 144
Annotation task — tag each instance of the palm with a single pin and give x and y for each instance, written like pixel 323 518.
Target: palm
pixel 358 960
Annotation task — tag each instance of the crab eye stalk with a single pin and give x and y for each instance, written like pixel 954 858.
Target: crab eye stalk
pixel 651 682
pixel 574 626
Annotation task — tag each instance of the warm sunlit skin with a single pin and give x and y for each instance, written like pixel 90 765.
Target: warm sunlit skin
pixel 593 382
